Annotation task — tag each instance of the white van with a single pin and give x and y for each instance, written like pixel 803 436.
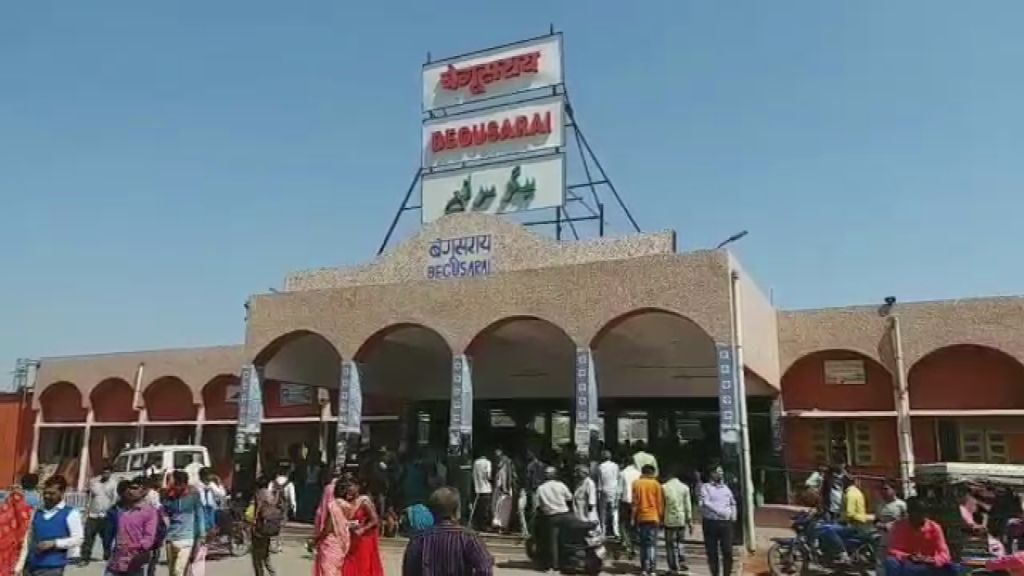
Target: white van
pixel 157 459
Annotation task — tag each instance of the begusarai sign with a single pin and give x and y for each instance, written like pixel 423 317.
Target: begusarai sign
pixel 528 127
pixel 494 158
pixel 495 72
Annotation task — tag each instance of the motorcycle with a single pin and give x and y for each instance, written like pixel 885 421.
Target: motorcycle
pixel 796 555
pixel 581 546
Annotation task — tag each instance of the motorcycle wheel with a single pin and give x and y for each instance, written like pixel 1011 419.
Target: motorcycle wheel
pixel 787 559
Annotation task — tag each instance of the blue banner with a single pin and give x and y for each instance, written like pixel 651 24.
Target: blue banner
pixel 461 416
pixel 350 400
pixel 728 408
pixel 586 399
pixel 250 408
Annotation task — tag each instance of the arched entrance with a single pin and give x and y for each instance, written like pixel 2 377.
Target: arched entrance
pixel 220 404
pixel 170 412
pixel 658 383
pixel 300 372
pixel 966 401
pixel 115 421
pixel 62 429
pixel 523 381
pixel 405 375
pixel 843 411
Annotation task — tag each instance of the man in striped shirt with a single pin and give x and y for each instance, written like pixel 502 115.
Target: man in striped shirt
pixel 446 549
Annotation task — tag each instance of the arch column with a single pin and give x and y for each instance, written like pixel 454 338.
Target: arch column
pixel 350 412
pixel 586 431
pixel 200 420
pixel 33 458
pixel 83 459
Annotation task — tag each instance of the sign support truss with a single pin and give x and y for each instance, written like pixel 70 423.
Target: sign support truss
pixel 583 213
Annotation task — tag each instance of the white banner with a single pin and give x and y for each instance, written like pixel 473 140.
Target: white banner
pixel 496 72
pixel 513 186
pixel 498 131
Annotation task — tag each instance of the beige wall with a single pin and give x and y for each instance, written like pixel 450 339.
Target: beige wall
pixel 633 273
pixel 194 366
pixel 760 327
pixel 926 326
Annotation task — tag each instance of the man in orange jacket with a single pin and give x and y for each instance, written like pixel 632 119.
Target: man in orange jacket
pixel 648 514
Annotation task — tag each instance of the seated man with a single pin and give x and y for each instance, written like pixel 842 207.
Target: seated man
pixel 917 546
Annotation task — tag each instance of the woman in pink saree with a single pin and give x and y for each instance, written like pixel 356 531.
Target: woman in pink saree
pixel 332 537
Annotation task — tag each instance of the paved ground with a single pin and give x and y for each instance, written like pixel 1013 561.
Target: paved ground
pixel 295 561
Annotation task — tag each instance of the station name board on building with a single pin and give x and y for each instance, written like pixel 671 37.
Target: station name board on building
pixel 528 127
pixel 498 71
pixel 464 257
pixel 494 158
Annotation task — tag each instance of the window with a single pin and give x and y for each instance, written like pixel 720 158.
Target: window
pixel 184 458
pixel 981 445
pixel 423 429
pixel 863 452
pixel 632 427
pixel 838 441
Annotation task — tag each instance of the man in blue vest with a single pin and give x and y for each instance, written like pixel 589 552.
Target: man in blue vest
pixel 56 531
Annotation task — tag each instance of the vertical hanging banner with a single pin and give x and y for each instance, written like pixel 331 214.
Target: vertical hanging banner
pixel 350 399
pixel 727 400
pixel 350 410
pixel 586 400
pixel 250 408
pixel 775 417
pixel 460 426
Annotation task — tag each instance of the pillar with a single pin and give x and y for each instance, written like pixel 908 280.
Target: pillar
pixel 587 429
pixel 200 420
pixel 324 397
pixel 83 459
pixel 33 458
pixel 350 413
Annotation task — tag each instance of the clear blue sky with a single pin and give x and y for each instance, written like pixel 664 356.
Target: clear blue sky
pixel 160 161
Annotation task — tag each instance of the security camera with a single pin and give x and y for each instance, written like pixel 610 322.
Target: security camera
pixel 890 300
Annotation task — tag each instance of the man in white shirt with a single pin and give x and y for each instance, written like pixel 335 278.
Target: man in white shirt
pixel 629 474
pixel 553 499
pixel 608 494
pixel 483 489
pixel 54 535
pixel 102 497
pixel 193 468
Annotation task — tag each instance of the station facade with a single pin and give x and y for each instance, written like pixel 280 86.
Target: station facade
pixel 641 324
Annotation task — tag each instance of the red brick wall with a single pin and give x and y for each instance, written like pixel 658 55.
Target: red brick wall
pixel 272 403
pixel 112 401
pixel 966 377
pixel 62 402
pixel 214 394
pixel 16 421
pixel 169 399
pixel 804 388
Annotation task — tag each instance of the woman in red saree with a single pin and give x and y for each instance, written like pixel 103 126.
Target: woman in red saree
pixel 332 530
pixel 15 519
pixel 364 551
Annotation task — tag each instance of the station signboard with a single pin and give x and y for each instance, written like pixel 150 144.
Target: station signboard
pixel 500 71
pixel 512 186
pixel 519 128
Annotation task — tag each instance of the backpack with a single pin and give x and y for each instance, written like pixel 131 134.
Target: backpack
pixel 270 514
